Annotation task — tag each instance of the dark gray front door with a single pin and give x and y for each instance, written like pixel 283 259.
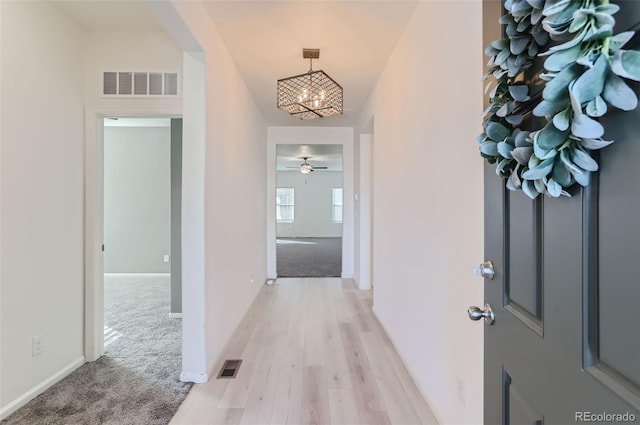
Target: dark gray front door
pixel 565 345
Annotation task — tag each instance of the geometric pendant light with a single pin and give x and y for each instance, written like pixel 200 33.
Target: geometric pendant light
pixel 310 95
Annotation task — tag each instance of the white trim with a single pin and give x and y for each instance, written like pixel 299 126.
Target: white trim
pixel 198 378
pixel 10 408
pixel 415 381
pixel 138 274
pixel 175 315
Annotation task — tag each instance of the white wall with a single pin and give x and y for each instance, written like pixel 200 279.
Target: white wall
pixel 235 197
pixel 128 51
pixel 42 198
pixel 312 136
pixel 137 199
pixel 312 204
pixel 428 205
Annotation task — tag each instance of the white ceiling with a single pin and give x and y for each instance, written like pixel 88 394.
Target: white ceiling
pixel 329 156
pixel 110 15
pixel 266 38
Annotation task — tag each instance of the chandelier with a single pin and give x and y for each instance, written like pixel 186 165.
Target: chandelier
pixel 311 95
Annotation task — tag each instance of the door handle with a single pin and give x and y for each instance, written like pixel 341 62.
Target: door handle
pixel 485 270
pixel 476 313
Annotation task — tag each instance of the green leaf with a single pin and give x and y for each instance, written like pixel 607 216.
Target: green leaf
pixel 547 108
pixel 522 138
pixel 604 19
pixel 609 9
pixel 539 171
pixel 586 128
pixel 519 44
pixel 554 189
pixel 595 144
pixel 619 94
pixel 569 165
pixel 522 155
pixel 569 44
pixel 580 18
pixel 562 119
pixel 597 107
pixel 583 160
pixel 505 149
pixel 539 185
pixel 489 148
pixel 500 44
pixel 558 87
pixel 560 173
pixel 519 92
pixel 497 132
pixel 552 7
pixel 501 169
pixel 591 82
pixel 536 4
pixel 583 179
pixel 514 119
pixel 529 189
pixel 619 40
pixel 514 182
pixel 626 63
pixel 558 60
pixel 502 57
pixel 541 153
pixel 550 137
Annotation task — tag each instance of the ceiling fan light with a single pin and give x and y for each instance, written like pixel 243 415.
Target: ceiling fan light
pixel 306 168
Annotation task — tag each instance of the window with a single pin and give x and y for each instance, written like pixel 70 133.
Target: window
pixel 336 205
pixel 284 205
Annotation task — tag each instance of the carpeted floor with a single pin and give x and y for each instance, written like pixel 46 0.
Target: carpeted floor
pixel 136 381
pixel 309 257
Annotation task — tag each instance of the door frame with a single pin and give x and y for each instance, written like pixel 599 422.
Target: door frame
pixel 347 196
pixel 94 220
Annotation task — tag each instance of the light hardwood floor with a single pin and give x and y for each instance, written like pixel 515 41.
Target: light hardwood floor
pixel 313 353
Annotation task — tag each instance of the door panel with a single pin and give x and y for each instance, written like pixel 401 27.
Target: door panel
pixel 567 270
pixel 523 285
pixel 519 409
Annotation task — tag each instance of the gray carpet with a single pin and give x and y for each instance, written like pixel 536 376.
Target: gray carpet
pixel 309 257
pixel 136 381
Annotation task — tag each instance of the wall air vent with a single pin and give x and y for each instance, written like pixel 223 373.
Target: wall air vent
pixel 140 84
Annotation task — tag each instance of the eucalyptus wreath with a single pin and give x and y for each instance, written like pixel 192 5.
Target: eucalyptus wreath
pixel 584 74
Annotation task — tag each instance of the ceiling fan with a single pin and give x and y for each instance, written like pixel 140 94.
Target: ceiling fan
pixel 306 168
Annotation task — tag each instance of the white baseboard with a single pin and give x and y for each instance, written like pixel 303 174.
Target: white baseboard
pixel 10 408
pixel 175 315
pixel 198 378
pixel 137 274
pixel 424 395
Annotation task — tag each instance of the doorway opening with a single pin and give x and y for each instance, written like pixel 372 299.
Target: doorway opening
pixel 309 210
pixel 142 261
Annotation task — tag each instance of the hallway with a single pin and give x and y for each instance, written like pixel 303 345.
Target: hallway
pixel 313 353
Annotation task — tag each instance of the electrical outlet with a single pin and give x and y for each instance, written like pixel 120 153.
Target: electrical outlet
pixel 166 258
pixel 37 347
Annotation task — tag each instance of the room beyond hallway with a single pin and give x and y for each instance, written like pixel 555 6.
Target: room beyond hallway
pixel 309 257
pixel 312 353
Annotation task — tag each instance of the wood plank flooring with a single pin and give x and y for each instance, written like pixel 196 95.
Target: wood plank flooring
pixel 313 354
